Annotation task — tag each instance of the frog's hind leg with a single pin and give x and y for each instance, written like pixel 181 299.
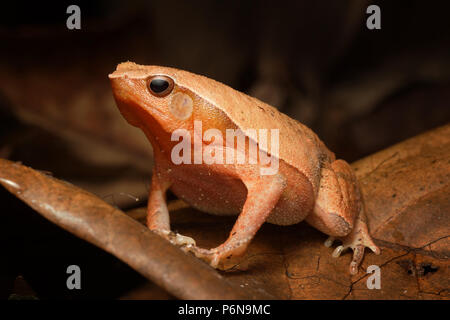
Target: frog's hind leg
pixel 158 215
pixel 339 212
pixel 263 193
pixel 357 240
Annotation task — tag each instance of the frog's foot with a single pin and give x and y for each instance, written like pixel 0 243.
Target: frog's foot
pixel 223 257
pixel 176 238
pixel 358 239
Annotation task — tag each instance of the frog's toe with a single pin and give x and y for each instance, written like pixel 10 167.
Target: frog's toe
pixel 177 239
pixel 357 244
pixel 181 240
pixel 208 255
pixel 219 258
pixel 329 242
pixel 358 254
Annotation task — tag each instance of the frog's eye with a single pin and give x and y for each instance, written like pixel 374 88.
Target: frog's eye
pixel 160 86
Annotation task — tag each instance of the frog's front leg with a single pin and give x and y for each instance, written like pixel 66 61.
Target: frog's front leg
pixel 263 193
pixel 339 212
pixel 158 215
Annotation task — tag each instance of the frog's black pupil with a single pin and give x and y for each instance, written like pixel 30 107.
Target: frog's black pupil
pixel 159 85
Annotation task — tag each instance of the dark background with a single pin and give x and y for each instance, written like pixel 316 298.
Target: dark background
pixel 361 90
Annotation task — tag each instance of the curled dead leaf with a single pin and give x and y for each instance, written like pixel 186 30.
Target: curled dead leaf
pixel 95 221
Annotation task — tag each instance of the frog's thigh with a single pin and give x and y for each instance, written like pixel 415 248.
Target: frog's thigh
pixel 338 200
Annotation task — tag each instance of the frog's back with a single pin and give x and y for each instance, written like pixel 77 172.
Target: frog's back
pixel 299 146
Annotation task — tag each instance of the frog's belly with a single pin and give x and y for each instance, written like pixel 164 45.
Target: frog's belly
pixel 216 193
pixel 209 191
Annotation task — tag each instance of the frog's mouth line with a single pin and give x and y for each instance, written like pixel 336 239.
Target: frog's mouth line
pixel 129 102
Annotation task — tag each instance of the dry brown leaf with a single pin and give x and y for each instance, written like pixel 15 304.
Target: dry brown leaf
pixel 406 190
pixel 93 220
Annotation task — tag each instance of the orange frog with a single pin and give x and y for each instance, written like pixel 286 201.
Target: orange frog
pixel 308 183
